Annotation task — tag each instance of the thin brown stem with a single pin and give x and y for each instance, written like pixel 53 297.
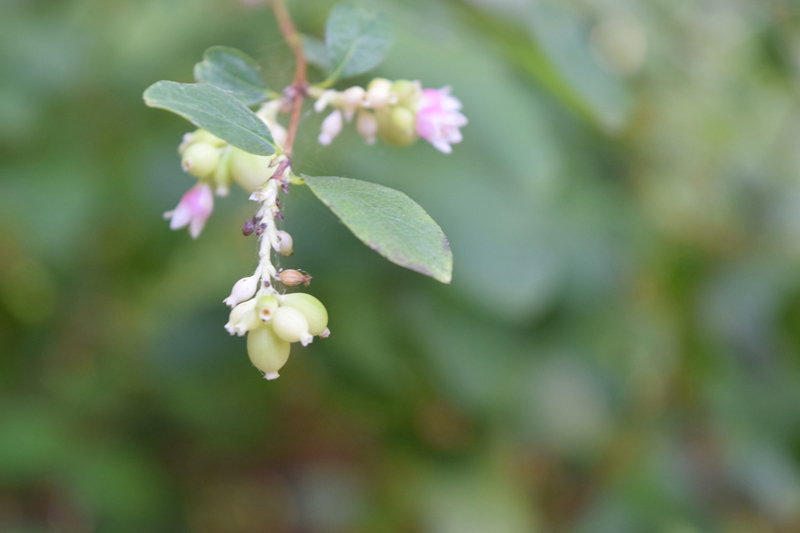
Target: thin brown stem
pixel 300 82
pixel 278 175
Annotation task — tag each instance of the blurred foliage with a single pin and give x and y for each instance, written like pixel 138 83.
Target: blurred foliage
pixel 618 351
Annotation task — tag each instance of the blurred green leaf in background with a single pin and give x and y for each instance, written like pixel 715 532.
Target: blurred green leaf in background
pixel 619 350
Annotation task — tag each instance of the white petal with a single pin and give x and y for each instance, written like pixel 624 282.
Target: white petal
pixel 442 146
pixel 180 217
pixel 196 226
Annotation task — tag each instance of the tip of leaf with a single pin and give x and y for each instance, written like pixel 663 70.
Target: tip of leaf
pixel 447 276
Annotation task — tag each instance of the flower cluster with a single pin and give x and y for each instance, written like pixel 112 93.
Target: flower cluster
pixel 396 112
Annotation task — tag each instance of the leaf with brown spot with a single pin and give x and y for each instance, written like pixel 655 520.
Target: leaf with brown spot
pixel 389 222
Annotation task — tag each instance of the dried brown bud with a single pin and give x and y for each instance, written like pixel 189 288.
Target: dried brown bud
pixel 249 227
pixel 292 277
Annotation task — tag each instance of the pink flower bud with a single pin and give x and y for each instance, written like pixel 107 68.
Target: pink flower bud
pixel 193 210
pixel 331 127
pixel 439 118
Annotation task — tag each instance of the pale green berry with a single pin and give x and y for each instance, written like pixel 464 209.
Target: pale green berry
pixel 396 125
pixel 222 174
pixel 404 119
pixel 312 309
pixel 200 136
pixel 266 306
pixel 290 325
pixel 408 93
pixel 200 159
pixel 267 351
pixel 250 171
pixel 208 137
pixel 243 318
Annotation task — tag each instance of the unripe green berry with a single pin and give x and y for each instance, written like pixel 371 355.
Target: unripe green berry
pixel 243 318
pixel 267 351
pixel 200 159
pixel 222 174
pixel 250 171
pixel 200 136
pixel 205 136
pixel 312 309
pixel 396 125
pixel 290 325
pixel 404 119
pixel 408 93
pixel 266 306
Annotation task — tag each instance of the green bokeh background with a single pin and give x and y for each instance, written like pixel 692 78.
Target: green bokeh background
pixel 618 351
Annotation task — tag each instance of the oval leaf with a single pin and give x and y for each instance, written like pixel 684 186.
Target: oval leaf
pixel 215 110
pixel 357 39
pixel 234 71
pixel 389 222
pixel 317 53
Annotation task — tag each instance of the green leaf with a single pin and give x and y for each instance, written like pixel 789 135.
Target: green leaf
pixel 357 39
pixel 389 222
pixel 215 110
pixel 232 70
pixel 316 52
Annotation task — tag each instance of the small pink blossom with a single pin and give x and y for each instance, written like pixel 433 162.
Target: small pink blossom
pixel 439 118
pixel 193 210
